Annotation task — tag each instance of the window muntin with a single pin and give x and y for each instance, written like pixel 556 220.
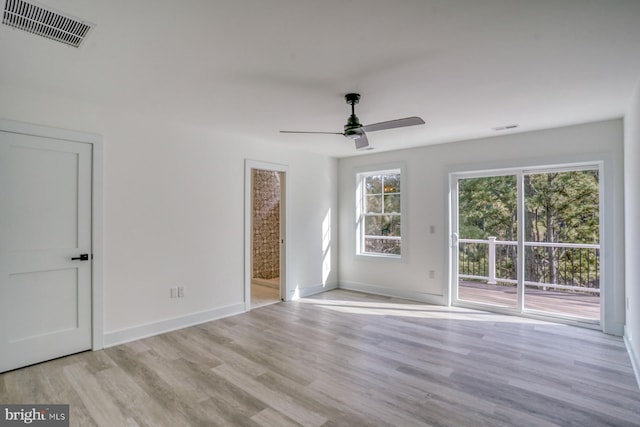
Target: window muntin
pixel 380 213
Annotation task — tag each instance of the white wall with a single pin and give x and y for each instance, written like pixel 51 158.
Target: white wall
pixel 174 213
pixel 427 170
pixel 632 226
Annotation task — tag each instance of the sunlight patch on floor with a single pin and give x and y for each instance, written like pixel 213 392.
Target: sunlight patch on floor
pixel 415 311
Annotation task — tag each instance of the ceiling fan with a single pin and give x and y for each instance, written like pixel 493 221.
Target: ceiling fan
pixel 355 131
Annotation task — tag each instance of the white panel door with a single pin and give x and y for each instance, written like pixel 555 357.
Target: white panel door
pixel 45 221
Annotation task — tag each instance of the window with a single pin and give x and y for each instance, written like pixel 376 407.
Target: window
pixel 380 213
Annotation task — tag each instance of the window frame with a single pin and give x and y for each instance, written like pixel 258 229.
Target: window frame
pixel 360 214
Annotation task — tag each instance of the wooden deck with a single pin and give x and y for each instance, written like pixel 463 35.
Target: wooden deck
pixel 575 304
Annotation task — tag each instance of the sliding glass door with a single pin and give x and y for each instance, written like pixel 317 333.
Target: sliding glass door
pixel 528 241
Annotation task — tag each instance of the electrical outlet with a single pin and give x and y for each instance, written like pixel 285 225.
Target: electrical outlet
pixel 432 229
pixel 180 291
pixel 432 274
pixel 174 293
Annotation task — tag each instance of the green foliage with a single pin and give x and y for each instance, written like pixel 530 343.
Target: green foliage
pixel 487 207
pixel 560 207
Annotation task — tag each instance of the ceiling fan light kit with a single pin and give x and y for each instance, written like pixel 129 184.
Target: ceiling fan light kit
pixel 355 131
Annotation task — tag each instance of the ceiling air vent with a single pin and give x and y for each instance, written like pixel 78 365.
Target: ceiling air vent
pixel 507 127
pixel 45 22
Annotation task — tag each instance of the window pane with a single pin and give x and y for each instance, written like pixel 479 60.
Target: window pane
pixel 488 207
pixel 390 225
pixel 373 184
pixel 373 204
pixel 372 225
pixel 562 207
pixel 392 183
pixel 382 246
pixel 392 203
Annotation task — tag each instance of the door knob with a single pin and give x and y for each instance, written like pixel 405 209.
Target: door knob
pixel 82 257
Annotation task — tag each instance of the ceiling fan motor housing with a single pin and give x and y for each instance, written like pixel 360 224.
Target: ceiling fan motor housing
pixel 352 123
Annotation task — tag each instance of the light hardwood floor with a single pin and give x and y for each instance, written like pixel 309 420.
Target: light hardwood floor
pixel 344 358
pixel 264 295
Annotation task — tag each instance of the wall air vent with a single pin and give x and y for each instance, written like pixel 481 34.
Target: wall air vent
pixel 45 22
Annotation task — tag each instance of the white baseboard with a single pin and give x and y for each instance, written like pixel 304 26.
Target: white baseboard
pixel 635 361
pixel 150 329
pixel 307 291
pixel 395 293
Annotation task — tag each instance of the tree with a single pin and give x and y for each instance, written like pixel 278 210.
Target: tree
pixel 488 207
pixel 560 207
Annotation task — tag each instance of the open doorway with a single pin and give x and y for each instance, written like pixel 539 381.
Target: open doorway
pixel 265 234
pixel 266 213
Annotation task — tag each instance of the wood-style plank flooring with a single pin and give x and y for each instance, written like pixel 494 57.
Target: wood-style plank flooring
pixel 264 295
pixel 346 359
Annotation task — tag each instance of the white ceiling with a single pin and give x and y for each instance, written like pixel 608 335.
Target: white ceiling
pixel 252 67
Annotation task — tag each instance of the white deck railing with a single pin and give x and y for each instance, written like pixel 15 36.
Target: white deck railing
pixel 491 277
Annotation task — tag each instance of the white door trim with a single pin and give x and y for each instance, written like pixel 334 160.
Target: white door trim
pixel 97 202
pixel 284 227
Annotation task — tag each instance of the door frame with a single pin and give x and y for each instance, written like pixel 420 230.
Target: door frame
pixel 97 209
pixel 609 288
pixel 249 165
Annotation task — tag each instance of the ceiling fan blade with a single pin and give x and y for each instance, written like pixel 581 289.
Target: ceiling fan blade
pixel 301 131
pixel 361 142
pixel 399 123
